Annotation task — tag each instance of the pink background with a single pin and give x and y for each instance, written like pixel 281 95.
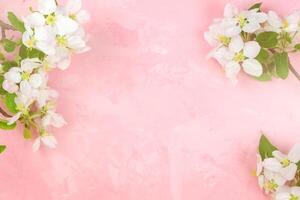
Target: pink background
pixel 148 116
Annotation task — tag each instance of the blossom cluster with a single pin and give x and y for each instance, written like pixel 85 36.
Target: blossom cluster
pixel 257 42
pixel 278 174
pixel 50 35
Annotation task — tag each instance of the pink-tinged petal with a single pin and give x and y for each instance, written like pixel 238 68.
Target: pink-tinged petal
pixel 36 144
pixel 289 172
pixel 46 7
pixel 236 44
pixel 272 164
pixel 252 67
pixel 251 49
pixel 294 154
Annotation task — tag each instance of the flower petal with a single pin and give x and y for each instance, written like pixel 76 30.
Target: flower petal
pixel 65 25
pixel 236 44
pixel 49 141
pixel 252 67
pixel 272 164
pixel 278 155
pixel 294 154
pixel 251 49
pixel 73 6
pixel 46 7
pixel 230 10
pixel 274 20
pixel 289 172
pixel 35 19
pixel 251 27
pixel 36 144
pixel 232 69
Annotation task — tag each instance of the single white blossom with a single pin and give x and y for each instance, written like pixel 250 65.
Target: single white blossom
pixel 46 139
pixel 242 54
pixel 285 165
pixel 289 24
pixel 53 119
pixel 248 21
pixel 288 193
pixel 73 10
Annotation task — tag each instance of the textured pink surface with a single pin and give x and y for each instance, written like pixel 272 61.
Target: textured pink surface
pixel 148 116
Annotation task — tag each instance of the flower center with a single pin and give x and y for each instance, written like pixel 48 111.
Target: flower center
pixel 31 42
pixel 271 185
pixel 293 197
pixel 242 20
pixel 62 40
pixel 285 162
pixel 224 40
pixel 285 24
pixel 25 76
pixel 239 57
pixel 73 16
pixel 51 19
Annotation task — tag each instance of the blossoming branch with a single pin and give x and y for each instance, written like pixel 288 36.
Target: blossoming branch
pixel 257 42
pixel 278 174
pixel 50 35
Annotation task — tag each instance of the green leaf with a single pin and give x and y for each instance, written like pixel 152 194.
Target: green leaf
pixel 5 126
pixel 297 47
pixel 256 6
pixel 265 147
pixel 2 91
pixel 264 77
pixel 2 148
pixel 10 102
pixel 27 133
pixel 16 22
pixel 267 39
pixel 8 64
pixel 9 45
pixel 262 57
pixel 25 52
pixel 282 64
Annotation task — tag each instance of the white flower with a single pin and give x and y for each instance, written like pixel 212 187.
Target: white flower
pixel 73 42
pixel 61 59
pixel 248 21
pixel 46 139
pixel 217 35
pixel 271 181
pixel 43 95
pixel 73 10
pixel 243 54
pixel 41 38
pixel 47 7
pixel 23 78
pixel 285 165
pixel 286 193
pixel 53 119
pixel 290 24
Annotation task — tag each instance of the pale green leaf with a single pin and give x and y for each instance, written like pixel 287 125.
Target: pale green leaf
pixel 267 39
pixel 282 64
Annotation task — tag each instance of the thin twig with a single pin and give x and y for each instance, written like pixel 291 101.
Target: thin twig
pixel 4 26
pixel 4 113
pixel 293 70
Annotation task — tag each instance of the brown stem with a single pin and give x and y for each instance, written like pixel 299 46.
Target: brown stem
pixel 4 113
pixel 4 26
pixel 293 70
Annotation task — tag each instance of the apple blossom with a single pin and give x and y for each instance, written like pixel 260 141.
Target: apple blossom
pixel 268 38
pixel 277 173
pixel 51 34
